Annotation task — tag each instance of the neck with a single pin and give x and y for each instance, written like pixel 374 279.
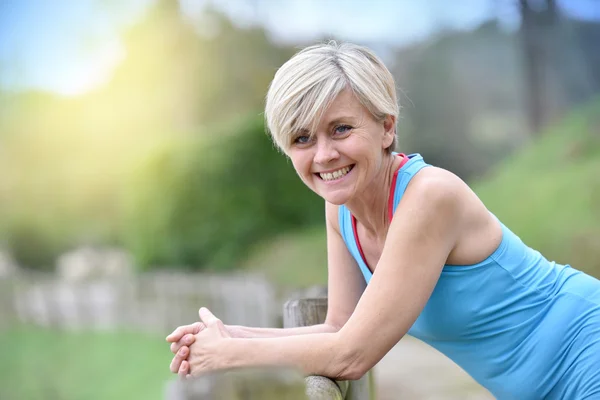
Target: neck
pixel 370 208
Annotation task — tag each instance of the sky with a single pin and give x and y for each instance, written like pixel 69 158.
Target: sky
pixel 67 47
pixel 70 47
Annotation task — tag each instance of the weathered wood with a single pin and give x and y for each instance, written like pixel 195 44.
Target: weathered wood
pixel 306 312
pixel 7 308
pixel 322 388
pixel 360 389
pixel 258 383
pixel 150 302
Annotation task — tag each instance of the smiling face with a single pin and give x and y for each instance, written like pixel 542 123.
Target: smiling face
pixel 343 156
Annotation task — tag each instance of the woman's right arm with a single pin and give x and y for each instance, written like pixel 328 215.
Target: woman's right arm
pixel 345 286
pixel 345 282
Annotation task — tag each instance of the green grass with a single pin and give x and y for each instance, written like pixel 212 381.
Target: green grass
pixel 297 259
pixel 37 363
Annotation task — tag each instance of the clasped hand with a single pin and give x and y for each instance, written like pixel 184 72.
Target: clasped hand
pixel 196 347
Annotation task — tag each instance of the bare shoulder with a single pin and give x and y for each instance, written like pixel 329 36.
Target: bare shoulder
pixel 441 198
pixel 438 188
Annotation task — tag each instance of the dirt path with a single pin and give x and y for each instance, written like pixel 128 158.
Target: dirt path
pixel 414 371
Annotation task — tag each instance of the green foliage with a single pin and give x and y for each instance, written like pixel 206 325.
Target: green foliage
pixel 65 162
pixel 32 243
pixel 549 193
pixel 206 202
pixel 40 363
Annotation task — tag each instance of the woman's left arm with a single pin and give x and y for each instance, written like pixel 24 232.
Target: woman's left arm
pixel 424 230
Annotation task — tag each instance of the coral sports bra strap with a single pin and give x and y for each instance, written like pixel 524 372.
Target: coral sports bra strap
pixel 390 209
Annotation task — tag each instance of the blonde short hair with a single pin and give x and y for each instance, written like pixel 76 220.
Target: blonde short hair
pixel 305 86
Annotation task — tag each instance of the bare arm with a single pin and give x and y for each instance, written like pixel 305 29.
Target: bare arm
pixel 183 335
pixel 248 332
pixel 345 286
pixel 345 282
pixel 426 226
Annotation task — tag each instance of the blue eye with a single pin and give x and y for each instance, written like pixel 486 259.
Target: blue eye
pixel 302 139
pixel 341 129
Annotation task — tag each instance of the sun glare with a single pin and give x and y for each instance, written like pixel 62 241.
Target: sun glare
pixel 93 72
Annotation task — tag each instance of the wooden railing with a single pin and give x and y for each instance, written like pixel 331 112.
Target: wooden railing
pixel 306 312
pixel 270 383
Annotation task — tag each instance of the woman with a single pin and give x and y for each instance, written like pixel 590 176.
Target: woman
pixel 411 249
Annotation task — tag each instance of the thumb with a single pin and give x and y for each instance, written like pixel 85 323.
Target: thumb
pixel 207 317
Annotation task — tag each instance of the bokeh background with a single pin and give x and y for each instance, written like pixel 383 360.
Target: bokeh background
pixel 137 182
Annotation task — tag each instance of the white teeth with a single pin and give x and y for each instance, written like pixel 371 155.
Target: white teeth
pixel 330 176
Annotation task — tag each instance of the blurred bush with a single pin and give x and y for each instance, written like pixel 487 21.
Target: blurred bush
pixel 206 202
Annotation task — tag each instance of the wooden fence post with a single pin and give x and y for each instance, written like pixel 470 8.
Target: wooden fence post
pixel 7 308
pixel 306 312
pixel 256 383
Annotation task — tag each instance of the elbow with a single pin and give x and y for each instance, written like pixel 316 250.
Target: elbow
pixel 351 365
pixel 333 325
pixel 354 372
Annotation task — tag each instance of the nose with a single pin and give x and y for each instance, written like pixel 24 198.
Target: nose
pixel 326 151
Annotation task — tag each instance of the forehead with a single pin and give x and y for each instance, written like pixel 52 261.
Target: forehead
pixel 345 104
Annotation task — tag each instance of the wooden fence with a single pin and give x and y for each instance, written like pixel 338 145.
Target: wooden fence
pixel 270 383
pixel 160 302
pixel 156 302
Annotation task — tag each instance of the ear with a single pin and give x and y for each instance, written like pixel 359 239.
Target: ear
pixel 389 130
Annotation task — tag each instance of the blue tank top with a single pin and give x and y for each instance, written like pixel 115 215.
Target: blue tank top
pixel 520 325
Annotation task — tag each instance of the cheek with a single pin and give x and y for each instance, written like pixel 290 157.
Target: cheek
pixel 302 165
pixel 297 164
pixel 300 159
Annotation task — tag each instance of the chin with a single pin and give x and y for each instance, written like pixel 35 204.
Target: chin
pixel 337 200
pixel 337 196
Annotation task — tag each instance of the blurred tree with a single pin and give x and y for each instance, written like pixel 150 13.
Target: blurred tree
pixel 185 73
pixel 440 127
pixel 461 98
pixel 558 61
pixel 532 31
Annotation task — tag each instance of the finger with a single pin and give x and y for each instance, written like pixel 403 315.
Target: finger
pixel 207 317
pixel 178 359
pixel 178 333
pixel 187 340
pixel 184 369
